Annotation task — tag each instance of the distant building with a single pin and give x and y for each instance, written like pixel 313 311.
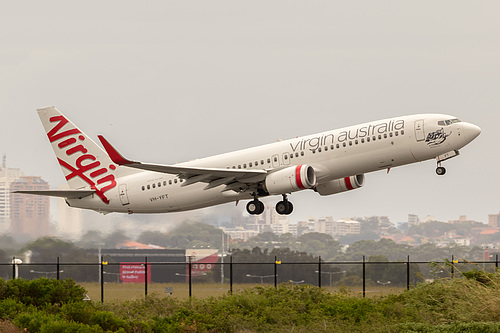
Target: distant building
pixel 69 220
pixel 413 219
pixel 29 213
pixel 239 233
pixel 7 176
pixel 494 220
pixel 463 220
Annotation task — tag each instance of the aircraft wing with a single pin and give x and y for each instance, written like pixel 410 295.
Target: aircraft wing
pixel 70 194
pixel 213 176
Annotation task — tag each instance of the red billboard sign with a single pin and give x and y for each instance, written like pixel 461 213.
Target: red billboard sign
pixel 134 272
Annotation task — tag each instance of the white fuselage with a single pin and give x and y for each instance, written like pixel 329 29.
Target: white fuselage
pixel 334 154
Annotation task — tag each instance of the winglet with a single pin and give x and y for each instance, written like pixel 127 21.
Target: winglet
pixel 115 156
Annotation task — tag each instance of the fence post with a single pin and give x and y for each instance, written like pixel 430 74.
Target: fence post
pixel 496 261
pixel 57 269
pixel 408 274
pixel 275 272
pixel 146 277
pixel 364 277
pixel 231 275
pixel 102 279
pixel 189 277
pixel 319 272
pixel 452 266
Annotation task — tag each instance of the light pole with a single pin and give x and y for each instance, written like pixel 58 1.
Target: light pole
pixel 384 283
pixel 45 273
pixel 261 277
pixel 331 274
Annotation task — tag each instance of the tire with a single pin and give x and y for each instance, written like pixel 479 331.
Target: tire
pixel 440 171
pixel 253 207
pixel 281 207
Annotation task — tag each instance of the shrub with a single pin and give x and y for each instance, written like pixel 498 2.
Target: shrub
pixel 41 291
pixel 10 308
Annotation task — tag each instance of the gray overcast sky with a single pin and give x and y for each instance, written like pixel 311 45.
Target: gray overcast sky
pixel 172 81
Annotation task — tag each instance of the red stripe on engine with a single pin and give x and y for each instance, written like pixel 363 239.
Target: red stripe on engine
pixel 348 183
pixel 298 180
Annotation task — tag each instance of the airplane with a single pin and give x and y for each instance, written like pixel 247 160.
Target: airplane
pixel 328 163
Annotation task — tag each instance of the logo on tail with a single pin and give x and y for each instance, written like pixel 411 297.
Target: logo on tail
pixel 72 141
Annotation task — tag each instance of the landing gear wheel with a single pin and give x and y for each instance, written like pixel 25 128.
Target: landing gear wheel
pixel 255 207
pixel 440 171
pixel 284 207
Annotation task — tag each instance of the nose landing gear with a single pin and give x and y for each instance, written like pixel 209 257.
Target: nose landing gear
pixel 440 170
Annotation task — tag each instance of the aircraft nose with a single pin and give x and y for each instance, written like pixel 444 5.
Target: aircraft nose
pixel 471 131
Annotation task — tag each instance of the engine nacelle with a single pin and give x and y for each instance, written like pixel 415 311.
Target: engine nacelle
pixel 341 185
pixel 291 179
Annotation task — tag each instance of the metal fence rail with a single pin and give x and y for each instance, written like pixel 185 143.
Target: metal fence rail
pixel 362 275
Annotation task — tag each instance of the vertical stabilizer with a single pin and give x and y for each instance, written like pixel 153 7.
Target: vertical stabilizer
pixel 85 165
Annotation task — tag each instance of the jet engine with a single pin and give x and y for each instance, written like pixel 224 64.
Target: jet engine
pixel 341 185
pixel 291 179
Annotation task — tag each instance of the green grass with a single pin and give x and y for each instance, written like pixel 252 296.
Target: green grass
pixel 121 292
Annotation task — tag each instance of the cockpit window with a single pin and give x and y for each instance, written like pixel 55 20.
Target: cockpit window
pixel 448 122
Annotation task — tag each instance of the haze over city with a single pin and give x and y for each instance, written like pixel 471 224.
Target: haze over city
pixel 170 82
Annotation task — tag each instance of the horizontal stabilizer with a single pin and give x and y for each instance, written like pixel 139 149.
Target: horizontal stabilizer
pixel 70 194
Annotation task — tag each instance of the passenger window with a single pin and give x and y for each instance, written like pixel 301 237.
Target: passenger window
pixel 149 187
pixel 314 151
pixel 385 136
pixel 170 182
pixel 390 134
pixel 380 137
pixel 331 147
pixel 402 132
pixel 159 184
pixel 301 153
pixel 326 148
pixel 164 183
pixel 256 163
pixel 250 164
pixel 175 180
pixel 368 139
pixel 344 144
pixel 244 166
pixel 262 162
pixel 296 154
pixel 356 141
pixel 363 140
pixel 374 138
pixel 154 185
pixel 338 146
pixel 143 188
pixel 396 133
pixel 239 166
pixel 275 159
pixel 319 150
pixel 291 156
pixel 268 160
pixel 286 157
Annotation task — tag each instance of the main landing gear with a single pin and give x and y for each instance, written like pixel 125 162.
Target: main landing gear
pixel 284 207
pixel 256 207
